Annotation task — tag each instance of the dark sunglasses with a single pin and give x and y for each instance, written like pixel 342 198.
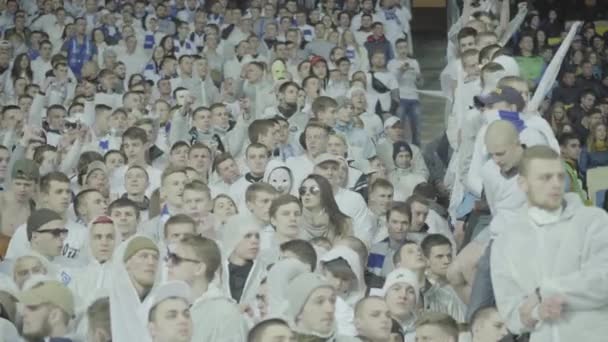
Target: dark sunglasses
pixel 313 190
pixel 55 232
pixel 176 259
pixel 71 125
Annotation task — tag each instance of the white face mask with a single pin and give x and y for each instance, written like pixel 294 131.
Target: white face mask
pixel 490 115
pixel 280 179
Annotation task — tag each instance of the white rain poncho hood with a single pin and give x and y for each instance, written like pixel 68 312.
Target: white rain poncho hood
pixel 298 292
pixel 278 279
pixel 125 303
pixel 235 231
pixel 357 288
pixel 559 253
pixel 279 176
pixel 95 280
pixel 236 228
pixel 171 289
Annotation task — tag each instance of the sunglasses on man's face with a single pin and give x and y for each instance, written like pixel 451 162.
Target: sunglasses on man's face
pixel 313 190
pixel 175 259
pixel 55 232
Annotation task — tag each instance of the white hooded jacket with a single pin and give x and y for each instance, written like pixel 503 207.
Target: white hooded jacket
pixel 217 318
pixel 345 304
pixel 95 279
pixel 560 253
pixel 125 303
pixel 235 230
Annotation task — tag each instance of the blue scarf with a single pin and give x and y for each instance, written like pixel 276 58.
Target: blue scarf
pixel 512 117
pixel 149 40
pixel 390 14
pixel 350 53
pixel 78 55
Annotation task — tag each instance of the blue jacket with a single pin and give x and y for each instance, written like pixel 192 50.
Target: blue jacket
pixel 589 160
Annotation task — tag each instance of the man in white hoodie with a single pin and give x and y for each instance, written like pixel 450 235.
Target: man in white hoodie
pixel 167 312
pixel 554 286
pixel 196 261
pixel 243 269
pixel 94 279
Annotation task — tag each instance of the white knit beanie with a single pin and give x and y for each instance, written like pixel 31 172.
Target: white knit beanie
pixel 509 64
pixel 299 289
pixel 401 275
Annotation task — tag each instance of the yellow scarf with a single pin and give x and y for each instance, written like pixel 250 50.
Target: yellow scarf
pixel 600 146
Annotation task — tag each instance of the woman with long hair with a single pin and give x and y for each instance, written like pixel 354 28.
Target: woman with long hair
pixel 576 60
pixel 321 214
pixel 22 67
pixel 168 45
pixel 21 70
pixel 152 68
pixel 595 153
pixel 303 71
pixel 69 32
pixel 557 117
pixel 319 69
pixel 99 39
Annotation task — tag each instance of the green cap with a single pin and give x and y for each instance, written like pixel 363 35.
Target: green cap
pixel 49 292
pixel 25 169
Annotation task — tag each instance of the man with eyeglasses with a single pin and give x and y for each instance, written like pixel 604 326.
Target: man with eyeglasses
pixel 195 261
pixel 46 233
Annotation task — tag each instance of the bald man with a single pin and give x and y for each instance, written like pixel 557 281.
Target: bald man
pixel 499 179
pixel 502 192
pixel 499 174
pixel 488 326
pixel 373 319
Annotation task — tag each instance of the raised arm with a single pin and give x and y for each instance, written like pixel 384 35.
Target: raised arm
pixel 514 24
pixel 550 75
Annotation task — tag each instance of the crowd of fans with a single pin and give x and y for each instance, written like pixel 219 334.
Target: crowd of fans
pixel 253 170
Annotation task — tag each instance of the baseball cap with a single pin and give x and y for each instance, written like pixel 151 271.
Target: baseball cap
pixel 390 122
pixel 39 218
pixel 325 157
pixel 500 94
pixel 49 292
pixel 25 168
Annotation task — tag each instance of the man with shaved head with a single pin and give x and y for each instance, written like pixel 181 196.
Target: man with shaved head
pixel 373 319
pixel 499 174
pixel 488 326
pixel 502 192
